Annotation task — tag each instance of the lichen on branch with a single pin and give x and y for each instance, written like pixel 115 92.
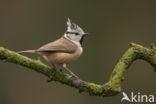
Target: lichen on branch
pixel 111 88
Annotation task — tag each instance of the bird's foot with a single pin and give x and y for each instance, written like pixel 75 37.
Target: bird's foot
pixel 51 74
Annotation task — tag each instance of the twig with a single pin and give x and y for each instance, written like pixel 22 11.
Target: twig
pixel 111 88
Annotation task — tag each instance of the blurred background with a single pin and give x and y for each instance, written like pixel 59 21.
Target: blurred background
pixel 28 24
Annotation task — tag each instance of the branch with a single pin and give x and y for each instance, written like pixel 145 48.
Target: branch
pixel 111 88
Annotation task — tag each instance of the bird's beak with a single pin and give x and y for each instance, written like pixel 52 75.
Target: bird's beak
pixel 85 34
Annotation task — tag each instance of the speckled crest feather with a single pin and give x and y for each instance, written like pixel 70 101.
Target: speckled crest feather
pixel 72 27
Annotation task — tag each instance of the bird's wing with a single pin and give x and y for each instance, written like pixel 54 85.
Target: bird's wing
pixel 60 45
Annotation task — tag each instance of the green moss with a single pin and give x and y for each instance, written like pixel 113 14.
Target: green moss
pixel 111 88
pixel 94 89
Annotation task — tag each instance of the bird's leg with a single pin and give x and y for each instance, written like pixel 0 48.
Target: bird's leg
pixel 70 72
pixel 53 67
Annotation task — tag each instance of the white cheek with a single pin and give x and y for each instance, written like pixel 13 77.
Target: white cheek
pixel 81 50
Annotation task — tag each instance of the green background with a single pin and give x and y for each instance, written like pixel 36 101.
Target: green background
pixel 112 24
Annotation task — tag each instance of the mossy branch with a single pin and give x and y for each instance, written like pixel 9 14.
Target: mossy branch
pixel 111 88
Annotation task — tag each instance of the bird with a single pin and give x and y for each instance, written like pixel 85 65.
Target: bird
pixel 64 50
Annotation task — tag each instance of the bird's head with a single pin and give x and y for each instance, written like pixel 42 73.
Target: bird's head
pixel 74 32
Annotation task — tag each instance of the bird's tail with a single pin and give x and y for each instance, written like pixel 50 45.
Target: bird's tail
pixel 27 51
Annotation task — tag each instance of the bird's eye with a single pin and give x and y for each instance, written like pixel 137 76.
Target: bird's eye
pixel 77 34
pixel 67 32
